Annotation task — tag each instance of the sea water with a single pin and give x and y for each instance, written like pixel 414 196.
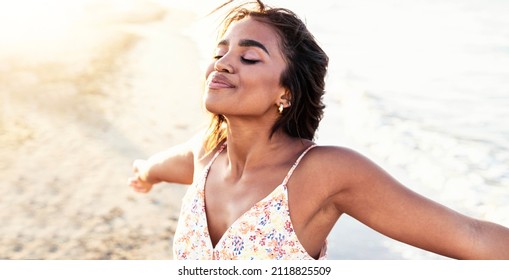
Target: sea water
pixel 421 87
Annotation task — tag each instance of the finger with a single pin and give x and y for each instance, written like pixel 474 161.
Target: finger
pixel 141 189
pixel 134 181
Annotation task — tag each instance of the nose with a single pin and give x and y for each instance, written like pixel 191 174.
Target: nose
pixel 222 65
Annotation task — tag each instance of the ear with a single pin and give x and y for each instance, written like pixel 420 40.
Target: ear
pixel 285 98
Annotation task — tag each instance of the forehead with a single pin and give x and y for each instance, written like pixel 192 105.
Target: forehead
pixel 249 28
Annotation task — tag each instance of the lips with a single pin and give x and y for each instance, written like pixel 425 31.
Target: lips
pixel 219 81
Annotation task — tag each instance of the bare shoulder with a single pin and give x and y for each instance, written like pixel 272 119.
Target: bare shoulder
pixel 335 153
pixel 339 168
pixel 201 155
pixel 337 158
pixel 323 175
pixel 322 165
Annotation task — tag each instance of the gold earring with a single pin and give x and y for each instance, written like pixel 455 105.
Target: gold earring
pixel 280 108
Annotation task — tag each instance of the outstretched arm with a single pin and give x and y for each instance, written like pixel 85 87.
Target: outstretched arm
pixel 376 199
pixel 175 165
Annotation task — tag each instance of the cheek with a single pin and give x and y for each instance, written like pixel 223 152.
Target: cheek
pixel 272 82
pixel 209 70
pixel 265 82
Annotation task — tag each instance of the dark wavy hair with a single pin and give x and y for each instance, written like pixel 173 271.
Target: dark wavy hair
pixel 304 76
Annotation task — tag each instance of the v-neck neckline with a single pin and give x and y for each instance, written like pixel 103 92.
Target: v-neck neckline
pixel 237 220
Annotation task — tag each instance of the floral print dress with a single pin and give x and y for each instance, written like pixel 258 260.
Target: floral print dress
pixel 264 232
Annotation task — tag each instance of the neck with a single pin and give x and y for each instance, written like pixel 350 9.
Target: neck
pixel 250 147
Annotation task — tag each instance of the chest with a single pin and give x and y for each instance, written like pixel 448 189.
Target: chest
pixel 226 203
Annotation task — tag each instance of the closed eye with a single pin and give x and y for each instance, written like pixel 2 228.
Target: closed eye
pixel 242 59
pixel 248 61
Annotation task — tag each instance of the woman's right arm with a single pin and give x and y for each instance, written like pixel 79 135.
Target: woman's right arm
pixel 175 165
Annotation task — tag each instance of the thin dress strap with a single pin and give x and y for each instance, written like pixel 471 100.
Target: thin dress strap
pixel 214 157
pixel 290 172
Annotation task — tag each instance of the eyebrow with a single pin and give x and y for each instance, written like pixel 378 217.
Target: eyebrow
pixel 246 43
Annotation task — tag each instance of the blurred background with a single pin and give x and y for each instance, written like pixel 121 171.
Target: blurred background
pixel 87 86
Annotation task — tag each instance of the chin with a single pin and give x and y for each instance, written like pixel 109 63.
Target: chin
pixel 211 107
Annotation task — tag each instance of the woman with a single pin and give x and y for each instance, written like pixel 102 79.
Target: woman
pixel 261 188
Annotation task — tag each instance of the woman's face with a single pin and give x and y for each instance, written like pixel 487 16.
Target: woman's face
pixel 244 78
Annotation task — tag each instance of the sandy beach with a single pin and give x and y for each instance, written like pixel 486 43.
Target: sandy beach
pixel 119 83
